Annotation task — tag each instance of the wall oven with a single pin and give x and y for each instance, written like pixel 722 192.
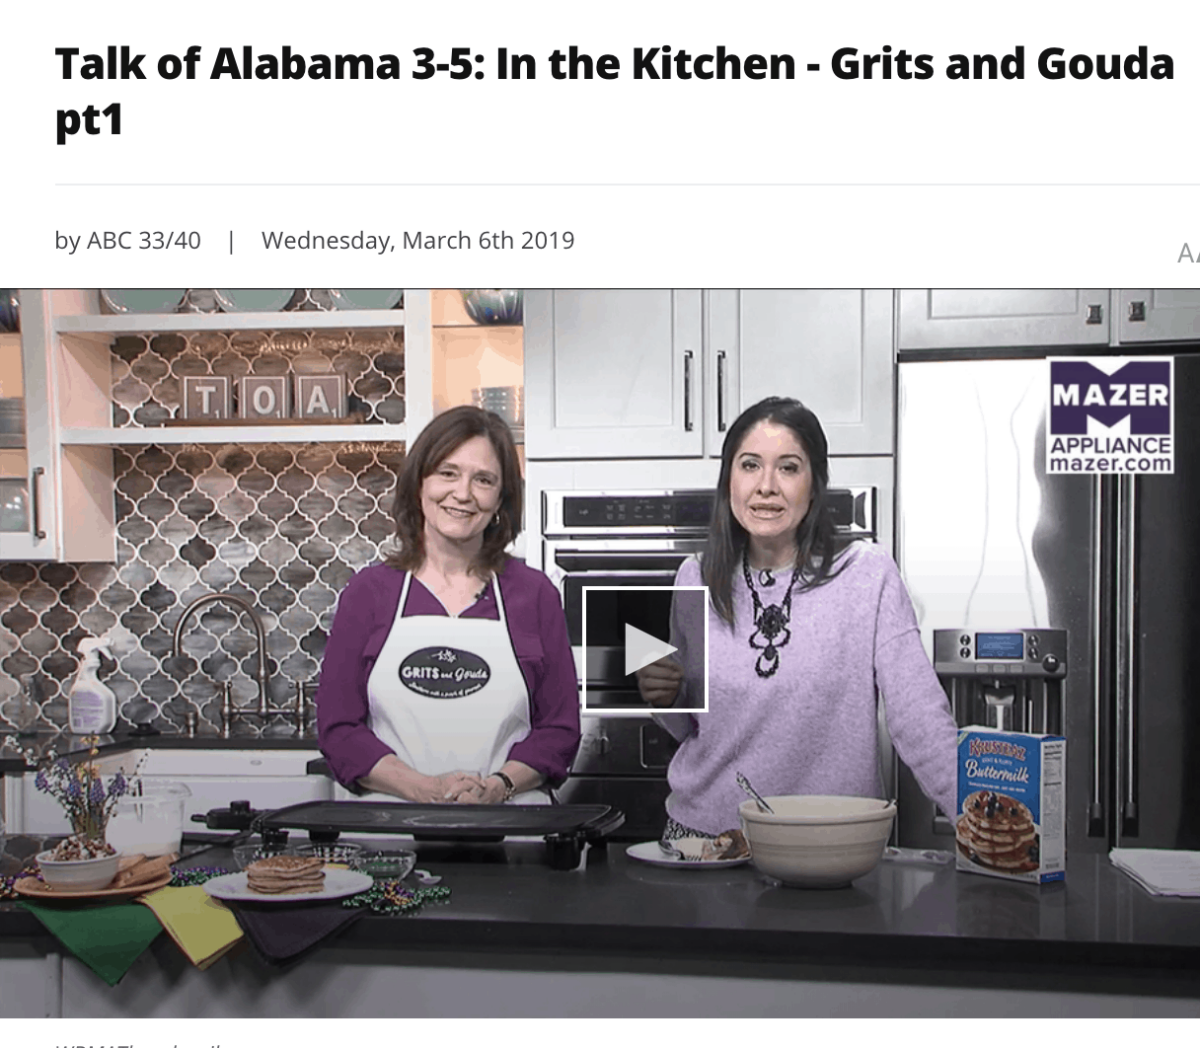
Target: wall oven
pixel 622 540
pixel 627 539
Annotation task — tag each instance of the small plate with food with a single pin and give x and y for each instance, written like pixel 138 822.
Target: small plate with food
pixel 709 853
pixel 288 878
pixel 135 875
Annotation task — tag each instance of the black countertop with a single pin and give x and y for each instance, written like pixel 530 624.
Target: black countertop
pixel 504 898
pixel 65 744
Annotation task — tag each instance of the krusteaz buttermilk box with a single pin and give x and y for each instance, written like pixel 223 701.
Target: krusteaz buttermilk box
pixel 1011 819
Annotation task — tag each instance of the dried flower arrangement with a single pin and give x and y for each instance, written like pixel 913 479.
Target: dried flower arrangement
pixel 84 796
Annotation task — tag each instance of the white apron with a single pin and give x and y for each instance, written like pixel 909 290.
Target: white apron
pixel 447 694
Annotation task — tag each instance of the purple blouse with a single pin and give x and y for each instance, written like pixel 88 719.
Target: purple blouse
pixel 538 628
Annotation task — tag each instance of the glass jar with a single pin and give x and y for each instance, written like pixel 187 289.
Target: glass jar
pixel 149 819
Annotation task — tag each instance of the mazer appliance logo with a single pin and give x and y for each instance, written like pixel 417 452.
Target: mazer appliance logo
pixel 1111 415
pixel 444 673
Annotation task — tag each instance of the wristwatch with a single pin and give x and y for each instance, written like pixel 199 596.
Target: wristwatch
pixel 509 788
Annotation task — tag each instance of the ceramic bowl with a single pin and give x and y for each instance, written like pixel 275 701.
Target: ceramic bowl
pixel 78 875
pixel 493 305
pixel 10 309
pixel 818 842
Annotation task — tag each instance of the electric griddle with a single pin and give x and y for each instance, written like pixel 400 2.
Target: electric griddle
pixel 565 827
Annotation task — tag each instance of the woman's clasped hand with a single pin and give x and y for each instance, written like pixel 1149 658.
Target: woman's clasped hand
pixel 462 787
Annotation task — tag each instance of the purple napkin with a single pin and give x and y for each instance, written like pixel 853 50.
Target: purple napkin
pixel 285 934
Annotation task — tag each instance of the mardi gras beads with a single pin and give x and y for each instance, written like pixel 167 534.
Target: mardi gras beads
pixel 195 875
pixel 390 897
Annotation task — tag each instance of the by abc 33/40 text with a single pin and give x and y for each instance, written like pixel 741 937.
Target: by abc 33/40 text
pixel 128 240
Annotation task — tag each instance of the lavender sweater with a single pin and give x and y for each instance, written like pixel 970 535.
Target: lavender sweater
pixel 811 728
pixel 536 624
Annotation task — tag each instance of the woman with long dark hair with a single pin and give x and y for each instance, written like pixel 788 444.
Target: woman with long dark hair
pixel 803 633
pixel 448 673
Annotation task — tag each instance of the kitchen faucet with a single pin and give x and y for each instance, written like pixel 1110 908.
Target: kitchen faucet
pixel 259 633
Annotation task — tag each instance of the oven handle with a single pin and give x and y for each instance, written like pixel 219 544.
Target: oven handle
pixel 654 573
pixel 604 560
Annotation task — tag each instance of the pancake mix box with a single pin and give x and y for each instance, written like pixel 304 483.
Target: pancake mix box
pixel 1011 819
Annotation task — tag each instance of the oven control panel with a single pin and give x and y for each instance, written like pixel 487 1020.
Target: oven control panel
pixel 1000 653
pixel 686 509
pixel 677 512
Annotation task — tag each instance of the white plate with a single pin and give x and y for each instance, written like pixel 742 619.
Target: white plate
pixel 253 299
pixel 369 297
pixel 650 852
pixel 338 884
pixel 142 300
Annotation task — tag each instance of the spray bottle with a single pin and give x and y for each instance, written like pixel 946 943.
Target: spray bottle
pixel 91 705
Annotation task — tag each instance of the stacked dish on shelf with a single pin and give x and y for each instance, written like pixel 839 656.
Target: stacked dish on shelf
pixel 247 300
pixel 12 422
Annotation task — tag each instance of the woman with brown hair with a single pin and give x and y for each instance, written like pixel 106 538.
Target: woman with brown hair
pixel 805 635
pixel 448 674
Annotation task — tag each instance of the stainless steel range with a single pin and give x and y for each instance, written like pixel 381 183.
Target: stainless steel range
pixel 624 540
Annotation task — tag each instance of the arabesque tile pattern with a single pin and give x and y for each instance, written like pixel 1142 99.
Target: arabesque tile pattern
pixel 283 526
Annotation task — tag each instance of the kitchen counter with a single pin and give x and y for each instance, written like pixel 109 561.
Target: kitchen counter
pixel 1097 940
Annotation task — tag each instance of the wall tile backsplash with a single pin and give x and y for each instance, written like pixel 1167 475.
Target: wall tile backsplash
pixel 283 526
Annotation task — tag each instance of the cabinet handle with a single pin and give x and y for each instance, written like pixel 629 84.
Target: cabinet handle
pixel 687 390
pixel 1137 312
pixel 36 501
pixel 1095 314
pixel 721 391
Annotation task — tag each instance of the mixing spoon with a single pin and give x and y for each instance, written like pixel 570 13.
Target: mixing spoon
pixel 744 783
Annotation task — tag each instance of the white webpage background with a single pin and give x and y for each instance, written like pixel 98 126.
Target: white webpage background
pixel 812 181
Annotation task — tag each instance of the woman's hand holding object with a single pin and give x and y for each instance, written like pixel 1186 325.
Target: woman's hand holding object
pixel 659 681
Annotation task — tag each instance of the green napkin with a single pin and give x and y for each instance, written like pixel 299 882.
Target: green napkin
pixel 107 936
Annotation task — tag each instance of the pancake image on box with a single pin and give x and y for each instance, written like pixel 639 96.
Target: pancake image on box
pixel 286 875
pixel 997 830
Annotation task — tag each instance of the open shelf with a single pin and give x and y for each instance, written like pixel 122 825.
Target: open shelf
pixel 92 324
pixel 232 434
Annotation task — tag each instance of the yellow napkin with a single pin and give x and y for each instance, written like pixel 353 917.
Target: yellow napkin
pixel 201 925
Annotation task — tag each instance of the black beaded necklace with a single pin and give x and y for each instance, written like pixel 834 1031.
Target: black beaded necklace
pixel 769 623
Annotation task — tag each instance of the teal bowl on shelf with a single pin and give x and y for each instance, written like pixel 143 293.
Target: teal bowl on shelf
pixel 491 305
pixel 10 309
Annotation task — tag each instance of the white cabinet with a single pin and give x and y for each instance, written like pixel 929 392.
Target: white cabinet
pixel 831 349
pixel 65 507
pixel 1159 314
pixel 67 377
pixel 613 373
pixel 1000 318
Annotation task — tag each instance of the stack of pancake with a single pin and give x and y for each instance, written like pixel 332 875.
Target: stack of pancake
pixel 997 831
pixel 286 875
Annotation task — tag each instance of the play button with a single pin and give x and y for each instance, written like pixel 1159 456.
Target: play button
pixel 622 629
pixel 642 648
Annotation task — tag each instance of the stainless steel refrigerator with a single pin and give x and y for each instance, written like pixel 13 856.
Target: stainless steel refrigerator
pixel 986 539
